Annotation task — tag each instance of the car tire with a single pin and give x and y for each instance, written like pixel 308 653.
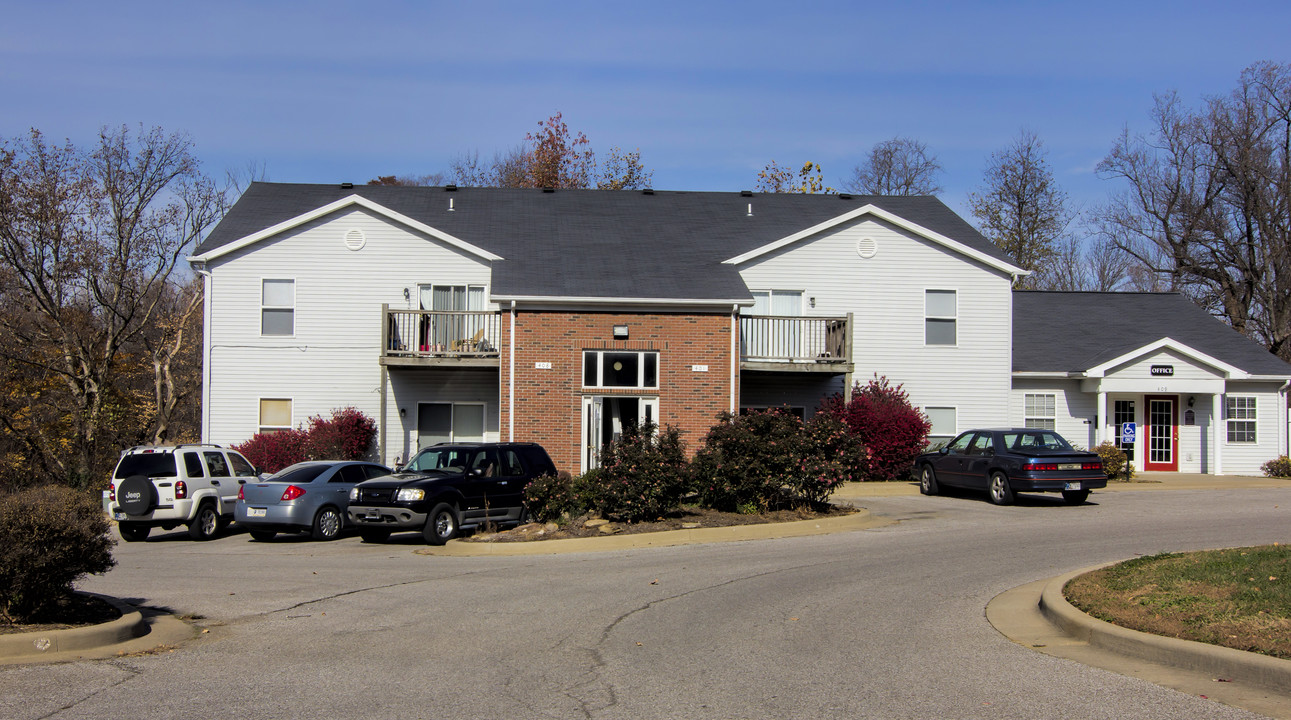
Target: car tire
pixel 928 481
pixel 441 525
pixel 130 532
pixel 327 524
pixel 136 495
pixel 374 536
pixel 1075 497
pixel 205 524
pixel 999 490
pixel 262 535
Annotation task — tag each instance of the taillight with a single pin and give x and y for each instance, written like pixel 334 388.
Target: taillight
pixel 1039 467
pixel 1092 466
pixel 242 492
pixel 112 492
pixel 181 490
pixel 292 492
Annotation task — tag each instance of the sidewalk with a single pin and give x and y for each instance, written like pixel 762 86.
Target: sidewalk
pixel 1143 481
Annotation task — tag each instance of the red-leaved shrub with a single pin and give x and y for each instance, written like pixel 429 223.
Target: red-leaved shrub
pixel 273 451
pixel 890 428
pixel 346 436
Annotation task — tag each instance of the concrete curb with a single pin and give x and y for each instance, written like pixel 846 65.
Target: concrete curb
pixel 131 632
pixel 860 520
pixel 1270 673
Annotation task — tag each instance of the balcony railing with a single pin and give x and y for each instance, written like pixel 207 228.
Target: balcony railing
pixel 782 339
pixel 441 333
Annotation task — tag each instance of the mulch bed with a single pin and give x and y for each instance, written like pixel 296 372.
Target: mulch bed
pixel 688 518
pixel 75 610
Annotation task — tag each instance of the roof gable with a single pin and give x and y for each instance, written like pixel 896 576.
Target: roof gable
pixel 1228 371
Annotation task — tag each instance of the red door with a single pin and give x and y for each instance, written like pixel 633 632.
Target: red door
pixel 1161 436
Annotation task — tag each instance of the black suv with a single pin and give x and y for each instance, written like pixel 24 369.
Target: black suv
pixel 447 488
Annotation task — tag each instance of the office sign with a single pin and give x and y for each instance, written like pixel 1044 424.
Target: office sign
pixel 1162 370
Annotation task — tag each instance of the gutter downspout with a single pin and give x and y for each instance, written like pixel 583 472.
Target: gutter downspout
pixel 1285 425
pixel 208 282
pixel 511 378
pixel 735 358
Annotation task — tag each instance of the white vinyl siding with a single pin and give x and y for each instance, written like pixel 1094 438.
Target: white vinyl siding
pixel 278 307
pixel 886 298
pixel 332 358
pixel 1239 413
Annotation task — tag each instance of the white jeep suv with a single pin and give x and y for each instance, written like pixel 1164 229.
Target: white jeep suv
pixel 170 485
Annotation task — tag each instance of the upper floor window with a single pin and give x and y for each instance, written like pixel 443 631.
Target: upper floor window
pixel 1040 411
pixel 940 313
pixel 776 302
pixel 278 307
pixel 1240 413
pixel 620 369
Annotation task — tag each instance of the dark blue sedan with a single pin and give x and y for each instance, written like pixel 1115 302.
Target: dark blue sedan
pixel 1005 461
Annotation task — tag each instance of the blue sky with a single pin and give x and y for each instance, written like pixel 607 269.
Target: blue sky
pixel 709 92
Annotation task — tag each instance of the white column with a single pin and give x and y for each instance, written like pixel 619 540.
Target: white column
pixel 1217 434
pixel 1100 428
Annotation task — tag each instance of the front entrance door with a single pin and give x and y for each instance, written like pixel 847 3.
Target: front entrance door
pixel 604 417
pixel 1162 436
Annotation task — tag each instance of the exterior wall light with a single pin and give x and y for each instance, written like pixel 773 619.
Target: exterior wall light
pixel 620 332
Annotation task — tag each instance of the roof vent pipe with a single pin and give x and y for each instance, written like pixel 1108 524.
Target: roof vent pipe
pixel 450 205
pixel 750 210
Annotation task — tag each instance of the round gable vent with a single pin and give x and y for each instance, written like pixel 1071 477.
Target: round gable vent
pixel 867 247
pixel 355 239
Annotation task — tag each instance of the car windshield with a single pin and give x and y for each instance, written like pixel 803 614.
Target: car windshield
pixel 299 473
pixel 1039 440
pixel 448 458
pixel 151 464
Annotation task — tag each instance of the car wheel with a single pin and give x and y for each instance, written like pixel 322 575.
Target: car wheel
pixel 1075 497
pixel 1001 493
pixel 374 536
pixel 206 524
pixel 441 525
pixel 262 535
pixel 928 481
pixel 133 533
pixel 327 524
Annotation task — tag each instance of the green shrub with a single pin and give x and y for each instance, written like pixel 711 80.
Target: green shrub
pixel 1115 462
pixel 50 537
pixel 642 475
pixel 1277 467
pixel 767 460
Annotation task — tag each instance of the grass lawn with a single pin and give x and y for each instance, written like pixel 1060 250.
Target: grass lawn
pixel 1238 598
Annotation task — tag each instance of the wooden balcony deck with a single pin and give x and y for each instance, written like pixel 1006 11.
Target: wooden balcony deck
pixel 440 337
pixel 780 343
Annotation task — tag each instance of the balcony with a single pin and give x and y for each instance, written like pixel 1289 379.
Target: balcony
pixel 451 338
pixel 796 344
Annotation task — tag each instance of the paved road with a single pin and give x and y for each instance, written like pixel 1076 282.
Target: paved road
pixel 884 623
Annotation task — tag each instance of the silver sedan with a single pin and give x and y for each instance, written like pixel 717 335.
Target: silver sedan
pixel 306 497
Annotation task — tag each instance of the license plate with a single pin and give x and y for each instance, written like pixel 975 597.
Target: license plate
pixel 119 516
pixel 255 512
pixel 1072 486
pixel 1069 466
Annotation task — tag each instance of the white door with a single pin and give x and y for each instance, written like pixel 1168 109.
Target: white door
pixel 604 417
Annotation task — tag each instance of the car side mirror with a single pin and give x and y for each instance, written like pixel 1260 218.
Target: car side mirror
pixel 943 450
pixel 477 472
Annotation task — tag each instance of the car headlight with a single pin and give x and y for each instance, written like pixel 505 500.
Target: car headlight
pixel 410 494
pixel 354 494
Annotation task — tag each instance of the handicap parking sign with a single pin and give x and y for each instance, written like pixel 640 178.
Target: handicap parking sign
pixel 1127 432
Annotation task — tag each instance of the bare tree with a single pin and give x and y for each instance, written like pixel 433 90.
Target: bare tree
pixel 1094 264
pixel 90 243
pixel 1020 207
pixel 900 166
pixel 1208 202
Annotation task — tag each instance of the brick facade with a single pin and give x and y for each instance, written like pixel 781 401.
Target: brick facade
pixel 549 401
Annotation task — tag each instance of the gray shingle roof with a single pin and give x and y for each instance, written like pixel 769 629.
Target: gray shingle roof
pixel 1075 331
pixel 598 243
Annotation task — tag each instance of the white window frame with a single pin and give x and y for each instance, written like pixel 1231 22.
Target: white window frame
pixel 291 307
pixel 929 318
pixel 1043 417
pixel 262 427
pixel 934 437
pixel 600 369
pixel 1241 417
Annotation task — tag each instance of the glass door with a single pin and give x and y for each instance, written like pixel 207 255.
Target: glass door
pixel 1162 434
